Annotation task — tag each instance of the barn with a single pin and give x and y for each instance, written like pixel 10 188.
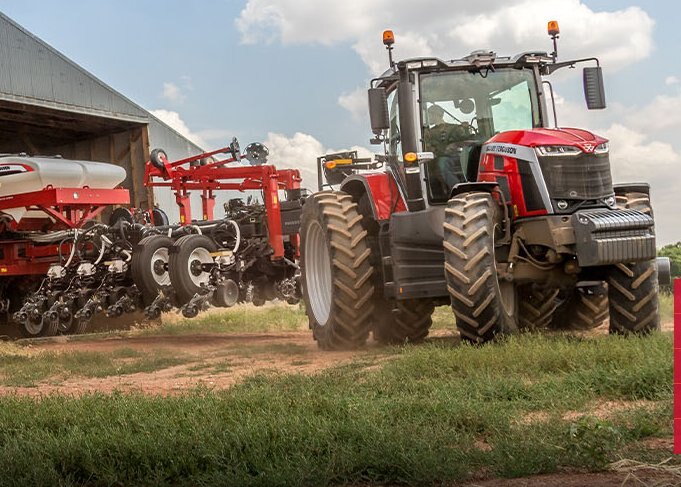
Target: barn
pixel 50 105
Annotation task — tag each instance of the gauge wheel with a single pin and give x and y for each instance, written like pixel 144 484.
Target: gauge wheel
pixel 190 262
pixel 157 157
pixel 150 262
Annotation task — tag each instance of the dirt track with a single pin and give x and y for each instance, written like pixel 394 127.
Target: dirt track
pixel 215 361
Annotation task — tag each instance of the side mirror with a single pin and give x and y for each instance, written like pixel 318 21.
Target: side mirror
pixel 594 92
pixel 378 110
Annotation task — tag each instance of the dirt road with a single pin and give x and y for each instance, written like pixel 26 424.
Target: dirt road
pixel 211 360
pixel 215 361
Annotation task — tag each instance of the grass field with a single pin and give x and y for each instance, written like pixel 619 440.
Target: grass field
pixel 408 415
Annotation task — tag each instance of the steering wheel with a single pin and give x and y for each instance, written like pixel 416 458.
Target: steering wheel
pixel 474 130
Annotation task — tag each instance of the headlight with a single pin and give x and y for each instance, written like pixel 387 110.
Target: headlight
pixel 602 148
pixel 558 150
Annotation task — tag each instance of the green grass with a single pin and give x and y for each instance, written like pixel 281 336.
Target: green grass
pixel 443 319
pixel 666 307
pixel 420 418
pixel 239 319
pixel 21 369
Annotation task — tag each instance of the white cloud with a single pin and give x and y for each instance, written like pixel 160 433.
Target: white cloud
pixel 635 158
pixel 356 103
pixel 217 137
pixel 301 152
pixel 449 28
pixel 663 113
pixel 671 80
pixel 172 93
pixel 174 121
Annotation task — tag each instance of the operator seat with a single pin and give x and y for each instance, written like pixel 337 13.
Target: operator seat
pixel 446 169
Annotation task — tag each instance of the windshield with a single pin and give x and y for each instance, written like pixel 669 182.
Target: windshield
pixel 460 110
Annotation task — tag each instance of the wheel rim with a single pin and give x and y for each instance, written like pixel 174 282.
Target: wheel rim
pixel 506 289
pixel 318 273
pixel 197 258
pixel 159 267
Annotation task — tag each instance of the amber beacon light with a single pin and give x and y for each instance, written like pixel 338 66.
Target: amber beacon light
pixel 388 37
pixel 552 28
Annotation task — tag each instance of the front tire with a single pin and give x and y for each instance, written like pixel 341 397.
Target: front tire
pixel 633 296
pixel 633 288
pixel 484 305
pixel 336 271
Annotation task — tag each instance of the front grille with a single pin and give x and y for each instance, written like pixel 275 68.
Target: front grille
pixel 586 176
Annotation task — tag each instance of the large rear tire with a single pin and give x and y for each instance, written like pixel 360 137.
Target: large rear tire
pixel 484 305
pixel 402 321
pixel 189 256
pixel 150 263
pixel 633 288
pixel 336 271
pixel 581 311
pixel 536 307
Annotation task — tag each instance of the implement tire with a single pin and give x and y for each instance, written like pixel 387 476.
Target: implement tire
pixel 633 288
pixel 484 306
pixel 187 258
pixel 149 266
pixel 336 271
pixel 402 321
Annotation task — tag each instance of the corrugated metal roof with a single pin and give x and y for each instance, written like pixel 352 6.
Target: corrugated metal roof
pixel 33 72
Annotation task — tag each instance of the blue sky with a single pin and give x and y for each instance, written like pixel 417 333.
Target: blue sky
pixel 292 73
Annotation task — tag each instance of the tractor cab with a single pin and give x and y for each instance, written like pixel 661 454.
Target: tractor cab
pixel 458 110
pixel 433 116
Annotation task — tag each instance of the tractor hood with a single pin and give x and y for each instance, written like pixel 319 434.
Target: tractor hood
pixel 583 139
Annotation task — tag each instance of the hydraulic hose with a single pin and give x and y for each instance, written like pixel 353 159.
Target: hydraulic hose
pixel 73 249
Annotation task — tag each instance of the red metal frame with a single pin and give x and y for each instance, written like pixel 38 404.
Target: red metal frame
pixel 64 208
pixel 67 207
pixel 216 176
pixel 23 257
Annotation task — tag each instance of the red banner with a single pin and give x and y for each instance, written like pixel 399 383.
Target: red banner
pixel 677 366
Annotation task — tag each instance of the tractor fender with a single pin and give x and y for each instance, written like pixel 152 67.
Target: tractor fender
pixel 481 186
pixel 623 188
pixel 381 190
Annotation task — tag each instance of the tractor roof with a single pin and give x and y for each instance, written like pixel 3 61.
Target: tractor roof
pixel 475 60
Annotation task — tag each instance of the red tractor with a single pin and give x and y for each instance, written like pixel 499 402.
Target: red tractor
pixel 480 204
